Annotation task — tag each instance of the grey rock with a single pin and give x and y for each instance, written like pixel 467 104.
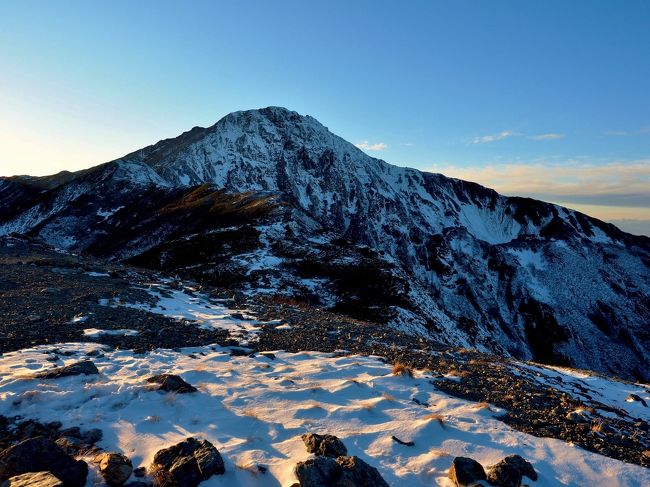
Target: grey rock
pixel 33 479
pixel 325 445
pixel 69 444
pixel 357 473
pixel 318 472
pixel 634 397
pixel 115 468
pixel 465 471
pixel 74 432
pixel 577 417
pixel 171 383
pixel 92 436
pixel 345 471
pixel 186 464
pixel 509 472
pixel 85 367
pixel 42 455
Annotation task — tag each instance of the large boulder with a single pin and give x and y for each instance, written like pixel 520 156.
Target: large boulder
pixel 85 367
pixel 42 455
pixel 464 471
pixel 171 383
pixel 357 473
pixel 186 464
pixel 318 472
pixel 33 479
pixel 115 468
pixel 510 471
pixel 345 471
pixel 324 445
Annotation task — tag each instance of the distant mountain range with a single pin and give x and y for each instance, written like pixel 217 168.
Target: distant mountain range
pixel 269 201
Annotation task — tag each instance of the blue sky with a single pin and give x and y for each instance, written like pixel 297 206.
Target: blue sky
pixel 549 99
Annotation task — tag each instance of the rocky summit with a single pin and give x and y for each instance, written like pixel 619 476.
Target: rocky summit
pixel 271 202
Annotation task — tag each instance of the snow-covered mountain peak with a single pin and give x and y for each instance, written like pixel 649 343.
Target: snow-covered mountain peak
pixel 270 192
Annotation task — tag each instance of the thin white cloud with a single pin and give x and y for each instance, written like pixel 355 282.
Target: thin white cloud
pixel 493 138
pixel 617 183
pixel 486 139
pixel 377 146
pixel 628 133
pixel 545 137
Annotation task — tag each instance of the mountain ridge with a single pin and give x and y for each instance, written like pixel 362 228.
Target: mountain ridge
pixel 506 274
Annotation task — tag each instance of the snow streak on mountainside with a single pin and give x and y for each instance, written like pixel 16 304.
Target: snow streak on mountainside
pixel 271 201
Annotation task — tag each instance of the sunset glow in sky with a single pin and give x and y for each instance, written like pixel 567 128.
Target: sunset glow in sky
pixel 544 99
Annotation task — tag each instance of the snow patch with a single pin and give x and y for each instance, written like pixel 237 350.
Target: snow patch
pixel 254 410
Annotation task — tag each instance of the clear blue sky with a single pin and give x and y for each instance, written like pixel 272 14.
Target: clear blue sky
pixel 547 98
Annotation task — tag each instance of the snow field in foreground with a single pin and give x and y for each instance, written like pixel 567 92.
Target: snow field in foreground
pixel 254 409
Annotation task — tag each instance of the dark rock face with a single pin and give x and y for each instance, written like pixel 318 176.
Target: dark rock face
pixel 186 464
pixel 509 471
pixel 38 479
pixel 115 468
pixel 464 471
pixel 345 471
pixel 171 383
pixel 325 445
pixel 85 367
pixel 42 455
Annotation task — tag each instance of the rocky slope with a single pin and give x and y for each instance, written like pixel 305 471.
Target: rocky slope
pixel 122 367
pixel 270 201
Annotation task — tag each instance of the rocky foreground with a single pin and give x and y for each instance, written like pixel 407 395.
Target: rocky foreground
pixel 115 375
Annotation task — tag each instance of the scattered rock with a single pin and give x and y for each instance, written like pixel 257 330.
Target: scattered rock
pixel 92 436
pixel 318 472
pixel 42 455
pixel 172 383
pixel 72 440
pixel 465 470
pixel 31 429
pixel 115 468
pixel 345 471
pixel 357 473
pixel 186 464
pixel 634 397
pixel 577 416
pixel 238 352
pixel 405 443
pixel 140 472
pixel 38 479
pixel 85 367
pixel 74 432
pixel 509 471
pixel 325 445
pixel 69 444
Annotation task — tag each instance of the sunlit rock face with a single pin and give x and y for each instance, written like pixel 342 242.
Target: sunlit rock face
pixel 269 201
